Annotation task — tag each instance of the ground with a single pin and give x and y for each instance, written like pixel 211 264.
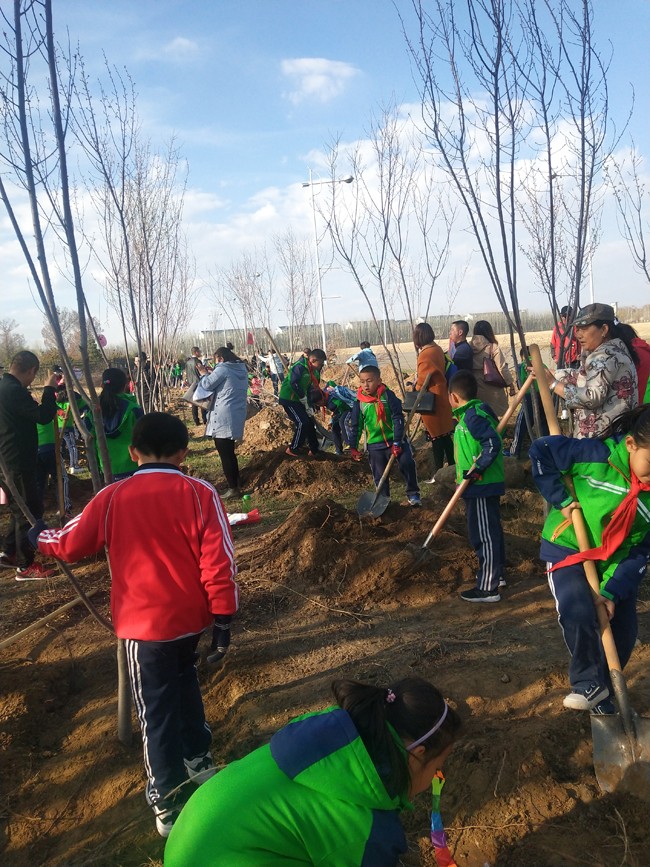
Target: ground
pixel 324 594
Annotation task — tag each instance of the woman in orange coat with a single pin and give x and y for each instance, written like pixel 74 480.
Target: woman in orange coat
pixel 440 425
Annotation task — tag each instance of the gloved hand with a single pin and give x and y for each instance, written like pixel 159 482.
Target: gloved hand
pixel 220 637
pixel 34 532
pixel 473 475
pixel 355 454
pixel 304 402
pixel 397 449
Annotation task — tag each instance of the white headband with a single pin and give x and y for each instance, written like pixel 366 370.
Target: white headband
pixel 431 731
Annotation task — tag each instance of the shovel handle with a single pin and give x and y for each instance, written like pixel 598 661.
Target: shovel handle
pixel 460 490
pixel 578 520
pixel 277 351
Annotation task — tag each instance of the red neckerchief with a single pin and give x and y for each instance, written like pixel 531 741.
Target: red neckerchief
pixel 380 409
pixel 615 532
pixel 315 382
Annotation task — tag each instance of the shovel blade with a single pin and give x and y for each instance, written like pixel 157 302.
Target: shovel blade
pixel 622 761
pixel 372 505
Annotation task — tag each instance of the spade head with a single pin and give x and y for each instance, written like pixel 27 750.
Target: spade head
pixel 372 505
pixel 622 759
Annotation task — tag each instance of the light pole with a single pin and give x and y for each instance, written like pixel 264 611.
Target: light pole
pixel 311 183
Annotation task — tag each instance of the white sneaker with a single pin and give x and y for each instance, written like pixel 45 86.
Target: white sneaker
pixel 165 819
pixel 430 481
pixel 502 582
pixel 200 768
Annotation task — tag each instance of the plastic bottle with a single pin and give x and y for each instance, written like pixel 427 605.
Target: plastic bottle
pixel 246 503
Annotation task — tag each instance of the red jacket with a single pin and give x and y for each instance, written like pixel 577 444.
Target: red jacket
pixel 170 550
pixel 571 347
pixel 643 367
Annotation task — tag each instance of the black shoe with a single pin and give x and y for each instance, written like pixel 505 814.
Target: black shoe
pixel 7 561
pixel 476 595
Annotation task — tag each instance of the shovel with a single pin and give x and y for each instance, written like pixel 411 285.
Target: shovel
pixel 621 741
pixel 372 504
pixel 422 551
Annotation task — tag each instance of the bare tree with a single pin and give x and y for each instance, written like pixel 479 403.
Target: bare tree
pixel 298 285
pixel 34 150
pixel 626 180
pixel 11 341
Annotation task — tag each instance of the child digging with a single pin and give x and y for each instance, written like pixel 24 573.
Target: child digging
pixel 611 479
pixel 378 411
pixel 166 589
pixel 299 393
pixel 478 455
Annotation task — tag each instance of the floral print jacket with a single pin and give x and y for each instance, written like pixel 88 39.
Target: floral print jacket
pixel 604 387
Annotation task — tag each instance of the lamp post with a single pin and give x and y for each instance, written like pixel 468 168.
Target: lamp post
pixel 311 183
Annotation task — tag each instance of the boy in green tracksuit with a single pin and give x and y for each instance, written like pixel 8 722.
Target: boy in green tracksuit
pixel 66 424
pixel 379 412
pixel 479 458
pixel 611 485
pixel 299 394
pixel 46 464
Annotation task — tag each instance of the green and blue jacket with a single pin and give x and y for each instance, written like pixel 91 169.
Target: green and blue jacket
pixel 119 430
pixel 299 384
pixel 600 473
pixel 313 796
pixel 379 434
pixel 476 440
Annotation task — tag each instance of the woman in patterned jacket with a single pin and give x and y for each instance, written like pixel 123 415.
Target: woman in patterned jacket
pixel 605 385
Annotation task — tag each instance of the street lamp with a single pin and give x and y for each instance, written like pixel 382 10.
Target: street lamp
pixel 311 183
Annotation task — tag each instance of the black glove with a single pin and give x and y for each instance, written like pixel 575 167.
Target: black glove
pixel 220 637
pixel 473 475
pixel 34 532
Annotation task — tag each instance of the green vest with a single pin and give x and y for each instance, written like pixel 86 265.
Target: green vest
pixel 600 488
pixel 45 434
pixel 118 444
pixel 376 432
pixel 286 392
pixel 467 449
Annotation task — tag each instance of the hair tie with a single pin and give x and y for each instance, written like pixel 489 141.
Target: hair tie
pixel 431 731
pixel 390 696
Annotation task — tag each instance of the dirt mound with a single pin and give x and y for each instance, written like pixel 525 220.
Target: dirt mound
pixel 282 476
pixel 323 546
pixel 265 431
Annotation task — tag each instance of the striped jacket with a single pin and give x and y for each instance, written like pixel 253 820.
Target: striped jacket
pixel 600 472
pixel 170 551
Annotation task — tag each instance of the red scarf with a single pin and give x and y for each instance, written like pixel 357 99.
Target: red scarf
pixel 380 409
pixel 315 382
pixel 615 532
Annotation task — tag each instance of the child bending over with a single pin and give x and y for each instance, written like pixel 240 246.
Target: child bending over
pixel 299 393
pixel 611 484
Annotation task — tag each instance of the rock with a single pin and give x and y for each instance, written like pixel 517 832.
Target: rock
pixel 505 678
pixel 513 471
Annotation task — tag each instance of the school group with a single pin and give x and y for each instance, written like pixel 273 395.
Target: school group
pixel 328 788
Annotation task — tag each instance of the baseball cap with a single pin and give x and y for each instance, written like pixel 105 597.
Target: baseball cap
pixel 592 313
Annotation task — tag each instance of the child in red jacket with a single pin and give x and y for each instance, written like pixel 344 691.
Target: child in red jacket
pixel 166 589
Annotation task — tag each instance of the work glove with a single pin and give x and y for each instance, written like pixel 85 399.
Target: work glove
pixel 34 532
pixel 396 449
pixel 220 637
pixel 472 475
pixel 355 454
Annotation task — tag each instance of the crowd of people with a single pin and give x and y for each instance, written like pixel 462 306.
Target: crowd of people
pixel 328 787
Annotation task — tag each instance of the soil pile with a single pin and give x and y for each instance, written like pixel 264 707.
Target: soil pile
pixel 284 477
pixel 266 430
pixel 324 547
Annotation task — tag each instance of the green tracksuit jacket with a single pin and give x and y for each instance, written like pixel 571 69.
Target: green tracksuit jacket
pixel 600 472
pixel 311 797
pixel 476 440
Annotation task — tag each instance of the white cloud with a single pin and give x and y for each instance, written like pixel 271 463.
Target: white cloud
pixel 316 78
pixel 178 50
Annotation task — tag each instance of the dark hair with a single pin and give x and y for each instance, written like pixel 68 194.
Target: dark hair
pixel 364 345
pixel 195 349
pixel 635 422
pixel 113 384
pixel 482 328
pixel 415 707
pixel 422 335
pixel 25 361
pixel 159 435
pixel 464 326
pixel 229 345
pixel 226 354
pixel 565 311
pixel 318 354
pixel 617 329
pixel 370 368
pixel 464 384
pixel 306 351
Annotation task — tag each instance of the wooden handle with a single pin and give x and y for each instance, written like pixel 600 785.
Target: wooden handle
pixel 578 520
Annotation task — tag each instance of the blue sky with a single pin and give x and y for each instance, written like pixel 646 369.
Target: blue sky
pixel 254 88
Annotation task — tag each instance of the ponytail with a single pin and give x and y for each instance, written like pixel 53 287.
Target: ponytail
pixel 616 329
pixel 113 384
pixel 635 422
pixel 411 708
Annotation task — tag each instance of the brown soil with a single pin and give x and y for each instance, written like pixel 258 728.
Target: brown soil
pixel 324 595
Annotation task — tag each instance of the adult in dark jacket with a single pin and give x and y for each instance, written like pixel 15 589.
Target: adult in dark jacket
pixel 460 351
pixel 192 376
pixel 19 415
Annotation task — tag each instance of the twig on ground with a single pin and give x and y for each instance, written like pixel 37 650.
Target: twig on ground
pixel 362 618
pixel 496 785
